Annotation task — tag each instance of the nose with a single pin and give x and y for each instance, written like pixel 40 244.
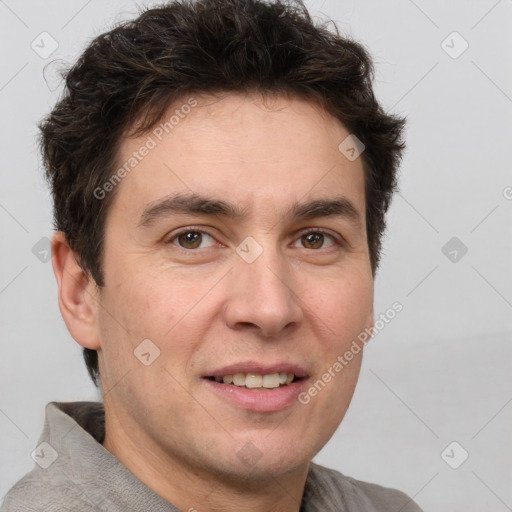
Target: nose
pixel 262 297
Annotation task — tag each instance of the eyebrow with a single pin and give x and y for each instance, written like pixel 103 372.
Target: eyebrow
pixel 194 204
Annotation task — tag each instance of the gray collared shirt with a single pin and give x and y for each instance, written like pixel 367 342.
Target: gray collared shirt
pixel 75 473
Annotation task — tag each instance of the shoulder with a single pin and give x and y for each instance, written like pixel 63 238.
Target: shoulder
pixel 35 493
pixel 356 495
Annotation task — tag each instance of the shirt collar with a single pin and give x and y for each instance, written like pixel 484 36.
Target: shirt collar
pixel 76 430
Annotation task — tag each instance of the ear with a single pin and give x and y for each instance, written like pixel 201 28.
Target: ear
pixel 78 295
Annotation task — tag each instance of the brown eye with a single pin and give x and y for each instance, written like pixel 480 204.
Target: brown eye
pixel 313 240
pixel 191 239
pixel 317 240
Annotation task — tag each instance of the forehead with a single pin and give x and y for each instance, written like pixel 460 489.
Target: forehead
pixel 261 153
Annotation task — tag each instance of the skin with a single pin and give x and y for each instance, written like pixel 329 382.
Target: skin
pixel 204 308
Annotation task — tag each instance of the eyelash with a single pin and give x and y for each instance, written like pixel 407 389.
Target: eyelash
pixel 197 229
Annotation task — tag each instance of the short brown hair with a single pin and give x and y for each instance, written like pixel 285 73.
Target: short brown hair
pixel 130 75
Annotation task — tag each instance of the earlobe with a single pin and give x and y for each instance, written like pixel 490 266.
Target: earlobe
pixel 77 300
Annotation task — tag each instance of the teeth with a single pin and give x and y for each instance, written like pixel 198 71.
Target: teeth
pixel 239 379
pixel 256 381
pixel 253 381
pixel 271 381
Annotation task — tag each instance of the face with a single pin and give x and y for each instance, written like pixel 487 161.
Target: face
pixel 236 246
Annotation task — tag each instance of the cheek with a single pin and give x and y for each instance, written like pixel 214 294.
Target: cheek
pixel 342 305
pixel 329 398
pixel 134 312
pixel 172 312
pixel 150 303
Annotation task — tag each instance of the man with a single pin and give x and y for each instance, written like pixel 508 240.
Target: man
pixel 220 171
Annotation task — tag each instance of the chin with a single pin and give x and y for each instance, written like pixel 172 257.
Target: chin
pixel 274 458
pixel 264 471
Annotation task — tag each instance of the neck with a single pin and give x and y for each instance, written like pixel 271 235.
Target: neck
pixel 191 487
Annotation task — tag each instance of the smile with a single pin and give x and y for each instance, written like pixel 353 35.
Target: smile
pixel 256 381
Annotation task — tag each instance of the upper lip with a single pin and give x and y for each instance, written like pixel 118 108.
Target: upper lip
pixel 259 369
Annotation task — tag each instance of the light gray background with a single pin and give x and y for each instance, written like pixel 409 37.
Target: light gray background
pixel 441 370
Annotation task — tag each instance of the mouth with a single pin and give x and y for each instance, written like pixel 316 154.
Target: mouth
pixel 256 387
pixel 257 382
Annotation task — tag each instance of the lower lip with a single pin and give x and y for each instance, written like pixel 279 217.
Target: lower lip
pixel 259 401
